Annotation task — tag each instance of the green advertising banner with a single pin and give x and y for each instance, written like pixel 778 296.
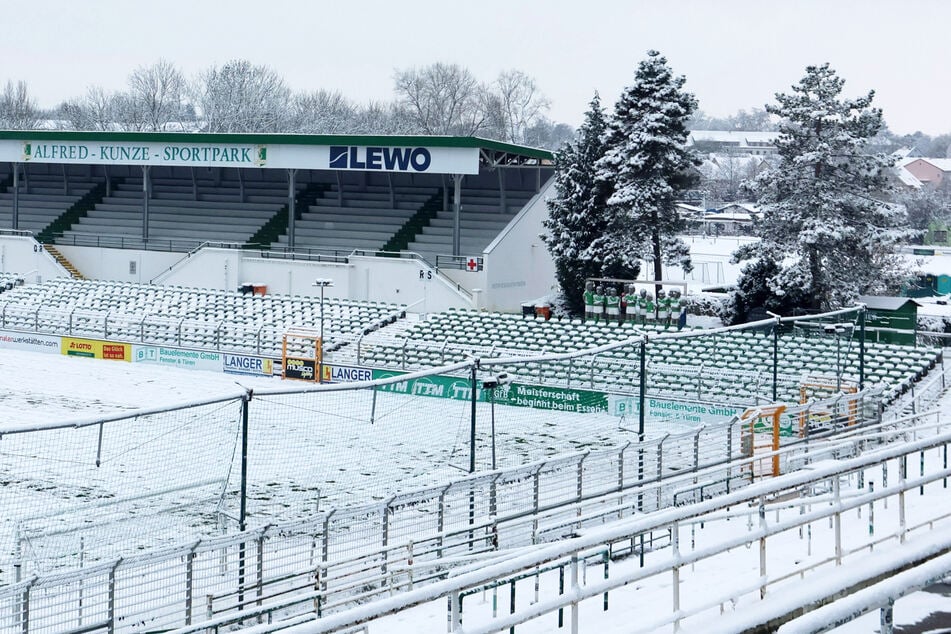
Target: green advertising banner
pixel 516 394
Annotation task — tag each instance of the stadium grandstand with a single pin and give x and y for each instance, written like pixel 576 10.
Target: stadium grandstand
pixel 440 220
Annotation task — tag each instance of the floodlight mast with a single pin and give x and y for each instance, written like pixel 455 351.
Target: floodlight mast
pixel 322 283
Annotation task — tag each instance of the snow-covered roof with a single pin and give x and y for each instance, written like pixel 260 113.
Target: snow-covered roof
pixel 735 216
pixel 943 164
pixel 691 208
pixel 907 178
pixel 880 302
pixel 746 206
pixel 745 137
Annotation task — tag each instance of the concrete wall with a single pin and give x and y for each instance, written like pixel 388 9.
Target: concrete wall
pixel 119 265
pixel 28 258
pixel 518 266
pixel 403 281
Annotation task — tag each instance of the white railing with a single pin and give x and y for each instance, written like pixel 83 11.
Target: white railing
pixel 756 504
pixel 347 556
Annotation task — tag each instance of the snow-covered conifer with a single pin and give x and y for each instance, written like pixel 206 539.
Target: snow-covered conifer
pixel 826 222
pixel 646 165
pixel 576 214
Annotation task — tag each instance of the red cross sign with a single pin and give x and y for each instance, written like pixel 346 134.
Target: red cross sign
pixel 472 264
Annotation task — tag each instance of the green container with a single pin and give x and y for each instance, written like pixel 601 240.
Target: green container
pixel 891 313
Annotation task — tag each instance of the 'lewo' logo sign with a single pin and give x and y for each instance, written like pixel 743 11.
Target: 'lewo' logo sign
pixel 391 159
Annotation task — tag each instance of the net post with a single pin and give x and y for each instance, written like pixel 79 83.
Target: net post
pixel 243 514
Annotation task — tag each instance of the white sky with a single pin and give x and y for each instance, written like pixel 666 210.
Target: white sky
pixel 734 53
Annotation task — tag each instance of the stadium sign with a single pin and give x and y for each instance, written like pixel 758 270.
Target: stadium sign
pixel 412 160
pixel 389 159
pixel 95 349
pixel 33 343
pixel 177 357
pixel 346 374
pixel 673 411
pixel 241 364
pixel 143 153
pixel 514 394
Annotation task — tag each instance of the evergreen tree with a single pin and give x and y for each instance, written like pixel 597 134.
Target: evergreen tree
pixel 576 214
pixel 824 218
pixel 646 165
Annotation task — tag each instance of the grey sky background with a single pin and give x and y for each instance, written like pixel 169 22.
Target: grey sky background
pixel 734 53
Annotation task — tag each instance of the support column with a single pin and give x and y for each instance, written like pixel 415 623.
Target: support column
pixel 241 185
pixel 105 173
pixel 65 181
pixel 456 212
pixel 503 207
pixel 146 194
pixel 291 207
pixel 16 197
pixel 194 184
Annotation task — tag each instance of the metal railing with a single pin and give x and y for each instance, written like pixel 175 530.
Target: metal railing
pixel 344 556
pixel 801 501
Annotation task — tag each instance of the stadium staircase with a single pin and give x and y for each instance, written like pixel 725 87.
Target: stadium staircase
pixel 273 229
pixel 64 262
pixel 44 199
pixel 72 215
pixel 408 232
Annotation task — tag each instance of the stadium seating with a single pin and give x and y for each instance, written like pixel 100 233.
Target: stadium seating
pixel 734 365
pixel 184 210
pixel 364 218
pixel 42 199
pixel 481 219
pixel 191 317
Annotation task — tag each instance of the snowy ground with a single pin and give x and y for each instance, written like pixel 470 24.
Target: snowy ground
pixel 161 478
pixel 42 388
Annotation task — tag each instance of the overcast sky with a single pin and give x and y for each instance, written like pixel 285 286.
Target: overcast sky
pixel 734 53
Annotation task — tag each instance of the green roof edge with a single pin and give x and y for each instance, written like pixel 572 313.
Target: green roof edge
pixel 279 139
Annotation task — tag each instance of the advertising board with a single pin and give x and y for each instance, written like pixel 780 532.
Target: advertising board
pixel 516 394
pixel 346 374
pixel 95 349
pixel 177 357
pixel 300 369
pixel 243 364
pixel 30 342
pixel 674 411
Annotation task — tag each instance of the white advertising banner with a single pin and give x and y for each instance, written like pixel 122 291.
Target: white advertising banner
pixel 29 341
pixel 405 159
pixel 178 358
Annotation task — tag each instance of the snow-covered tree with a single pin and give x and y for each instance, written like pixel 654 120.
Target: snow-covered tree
pixel 97 110
pixel 156 96
pixel 513 104
pixel 242 97
pixel 646 165
pixel 322 112
pixel 442 99
pixel 576 218
pixel 826 224
pixel 18 109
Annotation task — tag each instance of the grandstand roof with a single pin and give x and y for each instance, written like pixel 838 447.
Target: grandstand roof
pixel 449 154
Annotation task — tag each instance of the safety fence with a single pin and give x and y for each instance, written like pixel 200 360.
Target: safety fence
pixel 339 556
